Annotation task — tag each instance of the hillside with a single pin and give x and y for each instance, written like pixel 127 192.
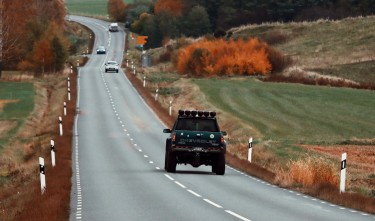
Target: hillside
pixel 343 48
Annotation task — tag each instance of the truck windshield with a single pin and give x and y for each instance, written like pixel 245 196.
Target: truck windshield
pixel 197 124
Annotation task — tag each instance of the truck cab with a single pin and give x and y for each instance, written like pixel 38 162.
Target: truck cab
pixel 195 139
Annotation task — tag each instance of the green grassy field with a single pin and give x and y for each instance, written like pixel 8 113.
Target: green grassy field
pixel 295 113
pixel 89 7
pixel 18 111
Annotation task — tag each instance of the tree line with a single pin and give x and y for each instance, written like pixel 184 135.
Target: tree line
pixel 165 19
pixel 32 35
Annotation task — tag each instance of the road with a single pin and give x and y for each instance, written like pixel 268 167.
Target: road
pixel 118 161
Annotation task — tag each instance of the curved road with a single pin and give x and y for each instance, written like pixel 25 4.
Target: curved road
pixel 119 157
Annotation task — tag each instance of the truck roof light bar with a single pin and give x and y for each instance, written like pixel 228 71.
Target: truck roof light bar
pixel 195 113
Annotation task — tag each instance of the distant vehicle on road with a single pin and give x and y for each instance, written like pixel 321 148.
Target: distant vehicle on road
pixel 111 66
pixel 100 50
pixel 197 140
pixel 113 27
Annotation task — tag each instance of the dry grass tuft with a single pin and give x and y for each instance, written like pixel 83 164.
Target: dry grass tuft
pixel 313 171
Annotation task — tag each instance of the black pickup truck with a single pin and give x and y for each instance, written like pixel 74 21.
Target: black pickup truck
pixel 197 140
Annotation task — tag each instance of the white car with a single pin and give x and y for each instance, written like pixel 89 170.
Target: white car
pixel 111 66
pixel 100 50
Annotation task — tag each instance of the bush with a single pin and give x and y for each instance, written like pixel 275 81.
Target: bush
pixel 221 57
pixel 278 61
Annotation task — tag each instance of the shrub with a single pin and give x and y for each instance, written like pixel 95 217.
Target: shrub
pixel 221 57
pixel 278 60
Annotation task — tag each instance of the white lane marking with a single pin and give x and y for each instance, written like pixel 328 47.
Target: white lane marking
pixel 180 184
pixel 78 179
pixel 194 193
pixel 238 216
pixel 169 177
pixel 158 168
pixel 212 203
pixel 145 156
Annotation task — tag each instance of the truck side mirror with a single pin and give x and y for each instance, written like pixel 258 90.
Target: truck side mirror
pixel 167 131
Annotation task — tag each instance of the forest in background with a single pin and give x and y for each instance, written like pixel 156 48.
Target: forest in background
pixel 168 19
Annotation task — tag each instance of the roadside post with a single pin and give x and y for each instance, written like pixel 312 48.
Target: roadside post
pixel 156 94
pixel 144 81
pixel 42 175
pixel 170 108
pixel 250 152
pixel 343 173
pixel 64 108
pixel 53 159
pixel 68 94
pixel 60 126
pixel 68 82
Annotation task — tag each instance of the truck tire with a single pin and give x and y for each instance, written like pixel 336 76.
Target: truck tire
pixel 219 165
pixel 171 162
pixel 167 144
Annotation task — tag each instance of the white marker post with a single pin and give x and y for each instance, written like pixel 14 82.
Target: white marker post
pixel 249 154
pixel 156 94
pixel 42 175
pixel 53 159
pixel 64 108
pixel 134 71
pixel 68 94
pixel 127 63
pixel 170 108
pixel 71 69
pixel 343 173
pixel 60 126
pixel 68 82
pixel 144 81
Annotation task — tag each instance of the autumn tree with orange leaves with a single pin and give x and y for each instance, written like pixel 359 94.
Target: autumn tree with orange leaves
pixel 173 7
pixel 117 10
pixel 33 34
pixel 221 57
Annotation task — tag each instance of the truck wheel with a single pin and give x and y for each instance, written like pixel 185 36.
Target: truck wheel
pixel 219 165
pixel 171 162
pixel 167 143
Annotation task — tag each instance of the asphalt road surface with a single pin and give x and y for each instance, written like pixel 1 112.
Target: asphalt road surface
pixel 118 161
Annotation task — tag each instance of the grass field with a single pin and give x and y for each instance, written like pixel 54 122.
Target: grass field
pixel 89 7
pixel 22 97
pixel 343 48
pixel 295 113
